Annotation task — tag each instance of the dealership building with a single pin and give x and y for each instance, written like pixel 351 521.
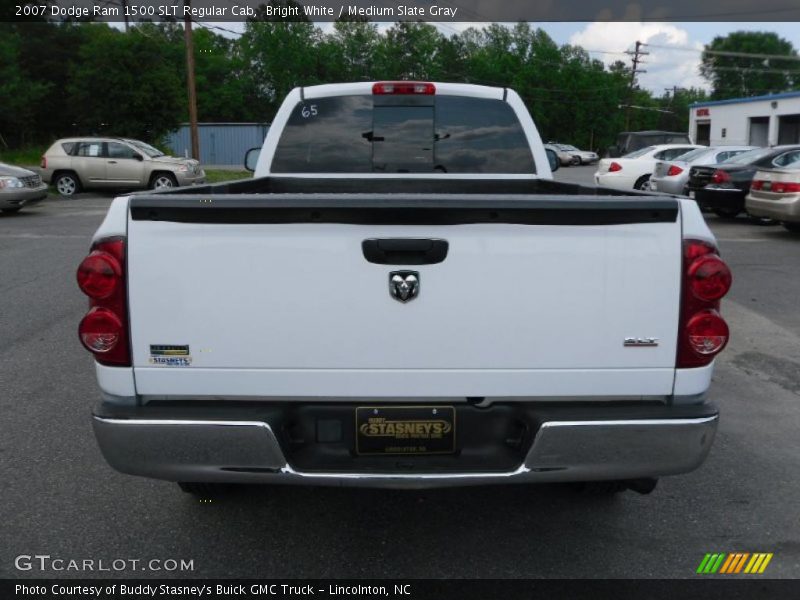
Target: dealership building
pixel 757 121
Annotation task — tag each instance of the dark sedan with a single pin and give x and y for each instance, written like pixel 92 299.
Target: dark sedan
pixel 722 188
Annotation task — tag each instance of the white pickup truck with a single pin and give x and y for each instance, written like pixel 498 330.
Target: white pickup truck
pixel 403 297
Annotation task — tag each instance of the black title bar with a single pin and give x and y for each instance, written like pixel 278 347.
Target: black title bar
pixel 409 10
pixel 710 588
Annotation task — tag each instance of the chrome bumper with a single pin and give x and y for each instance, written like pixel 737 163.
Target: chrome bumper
pixel 249 452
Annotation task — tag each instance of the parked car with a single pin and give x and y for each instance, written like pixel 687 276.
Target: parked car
pixel 585 157
pixel 775 194
pixel 564 157
pixel 672 177
pixel 19 188
pixel 630 141
pixel 633 171
pixel 76 164
pixel 480 319
pixel 722 188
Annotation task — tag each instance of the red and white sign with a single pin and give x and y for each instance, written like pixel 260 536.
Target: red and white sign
pixel 703 112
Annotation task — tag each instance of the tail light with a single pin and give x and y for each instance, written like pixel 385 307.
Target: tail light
pixel 703 333
pixel 43 164
pixel 674 170
pixel 720 176
pixel 709 278
pixel 104 329
pixel 707 333
pixel 777 187
pixel 780 187
pixel 101 330
pixel 614 167
pixel 388 88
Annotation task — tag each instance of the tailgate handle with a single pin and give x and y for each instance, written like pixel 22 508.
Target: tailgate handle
pixel 405 251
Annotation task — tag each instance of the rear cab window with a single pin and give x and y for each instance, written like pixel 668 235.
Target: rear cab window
pixel 403 134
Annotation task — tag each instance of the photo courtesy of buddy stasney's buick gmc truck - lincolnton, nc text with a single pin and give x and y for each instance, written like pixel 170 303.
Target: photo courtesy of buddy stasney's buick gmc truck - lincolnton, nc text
pixel 402 296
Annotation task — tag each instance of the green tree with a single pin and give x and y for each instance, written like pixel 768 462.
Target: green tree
pixel 278 56
pixel 677 103
pixel 221 90
pixel 128 84
pixel 409 50
pixel 20 96
pixel 741 76
pixel 351 48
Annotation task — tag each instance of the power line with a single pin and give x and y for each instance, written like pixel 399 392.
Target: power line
pixel 729 53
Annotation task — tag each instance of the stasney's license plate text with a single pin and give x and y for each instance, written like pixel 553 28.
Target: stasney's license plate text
pixel 405 430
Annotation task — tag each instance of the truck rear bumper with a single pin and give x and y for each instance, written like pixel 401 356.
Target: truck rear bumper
pixel 561 450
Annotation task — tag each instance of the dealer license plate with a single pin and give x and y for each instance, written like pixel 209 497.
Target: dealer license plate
pixel 405 430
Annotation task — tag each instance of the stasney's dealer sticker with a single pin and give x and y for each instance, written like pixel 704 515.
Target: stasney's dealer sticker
pixel 170 355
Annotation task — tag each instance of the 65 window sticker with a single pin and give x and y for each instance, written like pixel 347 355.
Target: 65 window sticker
pixel 308 110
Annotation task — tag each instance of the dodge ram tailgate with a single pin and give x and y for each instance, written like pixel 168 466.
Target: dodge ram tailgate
pixel 390 296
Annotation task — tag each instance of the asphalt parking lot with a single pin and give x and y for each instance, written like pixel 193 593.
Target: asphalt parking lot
pixel 61 499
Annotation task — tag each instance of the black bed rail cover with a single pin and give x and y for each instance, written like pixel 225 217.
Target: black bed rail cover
pixel 403 209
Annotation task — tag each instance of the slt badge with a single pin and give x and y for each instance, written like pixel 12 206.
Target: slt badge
pixel 404 285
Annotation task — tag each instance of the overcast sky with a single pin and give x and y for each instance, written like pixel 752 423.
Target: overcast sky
pixel 665 67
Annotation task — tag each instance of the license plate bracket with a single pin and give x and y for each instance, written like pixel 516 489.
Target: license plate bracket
pixel 405 430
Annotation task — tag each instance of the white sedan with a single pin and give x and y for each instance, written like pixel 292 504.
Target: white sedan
pixel 633 170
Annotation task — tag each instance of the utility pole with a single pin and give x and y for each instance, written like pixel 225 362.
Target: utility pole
pixel 674 89
pixel 636 60
pixel 187 31
pixel 125 14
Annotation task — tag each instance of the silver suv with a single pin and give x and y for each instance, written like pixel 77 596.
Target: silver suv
pixel 74 164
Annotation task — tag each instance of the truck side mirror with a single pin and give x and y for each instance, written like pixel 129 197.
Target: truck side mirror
pixel 552 158
pixel 251 159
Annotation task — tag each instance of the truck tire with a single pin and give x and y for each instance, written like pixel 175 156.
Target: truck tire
pixel 200 489
pixel 11 211
pixel 793 227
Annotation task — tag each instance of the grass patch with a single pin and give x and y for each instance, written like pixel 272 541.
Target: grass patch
pixel 23 157
pixel 219 175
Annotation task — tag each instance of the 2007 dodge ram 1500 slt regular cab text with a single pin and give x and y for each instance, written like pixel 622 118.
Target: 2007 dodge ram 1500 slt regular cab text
pixel 403 297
